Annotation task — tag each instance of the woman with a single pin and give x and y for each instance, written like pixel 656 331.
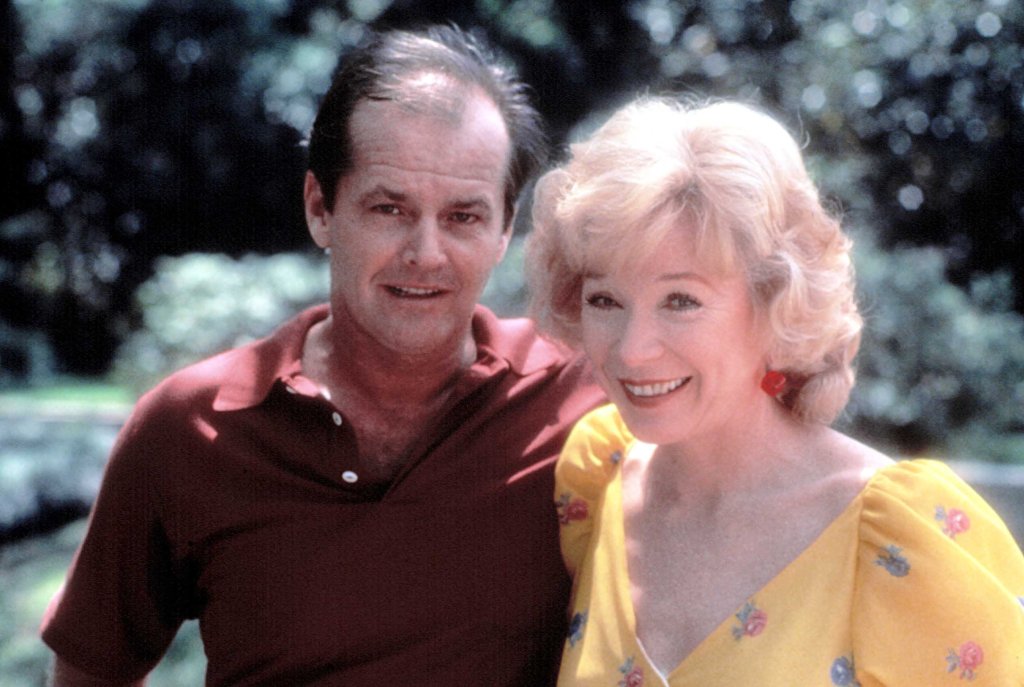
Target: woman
pixel 719 531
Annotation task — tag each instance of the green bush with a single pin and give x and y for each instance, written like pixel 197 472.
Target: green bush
pixel 199 304
pixel 941 369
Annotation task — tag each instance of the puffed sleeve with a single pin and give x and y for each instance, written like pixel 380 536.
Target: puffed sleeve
pixel 586 464
pixel 940 585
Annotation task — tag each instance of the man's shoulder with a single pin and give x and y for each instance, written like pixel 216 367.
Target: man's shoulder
pixel 517 340
pixel 240 376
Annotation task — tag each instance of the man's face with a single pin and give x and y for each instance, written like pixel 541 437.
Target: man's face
pixel 417 224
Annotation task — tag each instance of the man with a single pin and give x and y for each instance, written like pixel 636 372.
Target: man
pixel 364 497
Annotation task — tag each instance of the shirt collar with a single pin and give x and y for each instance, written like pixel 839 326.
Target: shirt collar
pixel 251 371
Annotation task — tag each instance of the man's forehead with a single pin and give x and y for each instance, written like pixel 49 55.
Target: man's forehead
pixel 432 94
pixel 390 140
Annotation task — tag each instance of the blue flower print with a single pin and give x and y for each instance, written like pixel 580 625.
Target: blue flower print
pixel 632 676
pixel 891 560
pixel 576 626
pixel 843 672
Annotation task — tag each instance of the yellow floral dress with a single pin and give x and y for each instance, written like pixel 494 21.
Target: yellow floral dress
pixel 918 583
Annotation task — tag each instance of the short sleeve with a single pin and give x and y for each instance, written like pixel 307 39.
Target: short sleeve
pixel 116 613
pixel 587 462
pixel 940 584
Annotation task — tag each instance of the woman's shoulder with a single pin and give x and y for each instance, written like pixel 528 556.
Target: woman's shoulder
pixel 925 492
pixel 938 569
pixel 601 433
pixel 921 510
pixel 595 446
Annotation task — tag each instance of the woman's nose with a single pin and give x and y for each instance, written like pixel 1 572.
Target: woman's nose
pixel 639 341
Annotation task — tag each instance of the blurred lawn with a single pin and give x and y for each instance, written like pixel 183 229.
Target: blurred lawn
pixel 68 392
pixel 30 572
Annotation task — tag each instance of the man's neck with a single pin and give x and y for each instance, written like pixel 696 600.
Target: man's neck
pixel 375 375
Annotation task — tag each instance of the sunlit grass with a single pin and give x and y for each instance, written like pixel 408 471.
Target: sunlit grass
pixel 67 392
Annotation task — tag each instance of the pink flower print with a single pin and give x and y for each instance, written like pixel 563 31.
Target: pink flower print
pixel 966 660
pixel 954 521
pixel 752 621
pixel 755 623
pixel 632 676
pixel 577 510
pixel 570 509
pixel 635 678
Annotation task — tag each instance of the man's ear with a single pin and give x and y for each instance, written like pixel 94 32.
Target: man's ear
pixel 316 210
pixel 506 238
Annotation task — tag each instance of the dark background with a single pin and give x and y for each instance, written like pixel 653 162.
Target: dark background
pixel 135 129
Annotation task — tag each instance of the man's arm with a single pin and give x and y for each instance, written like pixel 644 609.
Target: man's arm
pixel 66 675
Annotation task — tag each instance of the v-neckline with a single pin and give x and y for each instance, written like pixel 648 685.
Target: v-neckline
pixel 851 510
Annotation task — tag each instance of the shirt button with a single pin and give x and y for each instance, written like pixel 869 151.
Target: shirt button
pixel 350 477
pixel 337 418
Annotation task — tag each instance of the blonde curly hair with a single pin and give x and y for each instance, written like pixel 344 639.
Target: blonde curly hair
pixel 734 176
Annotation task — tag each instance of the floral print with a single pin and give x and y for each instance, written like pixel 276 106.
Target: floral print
pixel 752 621
pixel 966 660
pixel 954 521
pixel 632 675
pixel 843 673
pixel 570 509
pixel 892 561
pixel 576 626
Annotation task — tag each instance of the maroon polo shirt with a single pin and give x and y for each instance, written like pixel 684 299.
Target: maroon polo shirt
pixel 234 496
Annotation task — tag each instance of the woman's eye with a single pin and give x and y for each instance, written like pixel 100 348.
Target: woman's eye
pixel 680 301
pixel 600 301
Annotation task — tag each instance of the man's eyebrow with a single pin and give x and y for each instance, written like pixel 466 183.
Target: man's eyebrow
pixel 384 192
pixel 381 191
pixel 471 202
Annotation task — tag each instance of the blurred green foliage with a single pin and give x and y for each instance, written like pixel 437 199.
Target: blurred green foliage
pixel 941 368
pixel 200 304
pixel 134 129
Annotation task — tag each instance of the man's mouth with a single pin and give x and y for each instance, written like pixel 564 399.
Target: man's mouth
pixel 412 292
pixel 653 389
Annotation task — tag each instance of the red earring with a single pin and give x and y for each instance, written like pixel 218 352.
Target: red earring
pixel 773 383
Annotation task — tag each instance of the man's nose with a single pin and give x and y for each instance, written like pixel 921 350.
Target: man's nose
pixel 424 247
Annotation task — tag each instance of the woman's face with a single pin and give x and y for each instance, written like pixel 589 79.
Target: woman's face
pixel 675 343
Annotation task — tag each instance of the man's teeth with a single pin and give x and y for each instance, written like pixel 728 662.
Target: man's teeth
pixel 654 389
pixel 409 291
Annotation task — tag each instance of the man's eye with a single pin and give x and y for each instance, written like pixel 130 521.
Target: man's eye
pixel 600 301
pixel 386 209
pixel 680 301
pixel 463 217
